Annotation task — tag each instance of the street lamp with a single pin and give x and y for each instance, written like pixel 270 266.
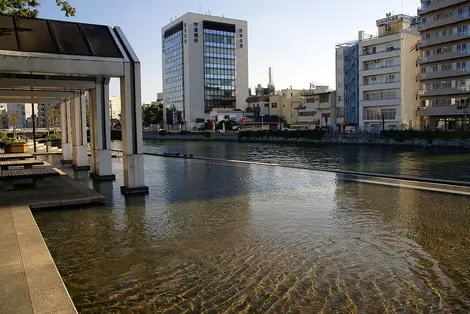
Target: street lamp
pixel 465 112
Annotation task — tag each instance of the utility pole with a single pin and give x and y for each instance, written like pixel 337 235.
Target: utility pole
pixel 34 126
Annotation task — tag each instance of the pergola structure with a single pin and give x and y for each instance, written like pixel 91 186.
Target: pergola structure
pixel 46 61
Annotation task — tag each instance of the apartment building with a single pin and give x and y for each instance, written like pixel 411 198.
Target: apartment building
pixel 387 75
pixel 284 104
pixel 205 66
pixel 318 109
pixel 444 61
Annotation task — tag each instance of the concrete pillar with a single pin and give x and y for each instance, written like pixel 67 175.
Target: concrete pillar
pixel 66 131
pixel 100 132
pixel 79 135
pixel 131 125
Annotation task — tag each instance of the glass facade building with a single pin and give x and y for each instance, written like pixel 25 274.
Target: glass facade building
pixel 174 69
pixel 219 66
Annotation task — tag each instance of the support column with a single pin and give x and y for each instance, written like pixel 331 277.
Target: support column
pixel 79 136
pixel 100 124
pixel 131 122
pixel 66 129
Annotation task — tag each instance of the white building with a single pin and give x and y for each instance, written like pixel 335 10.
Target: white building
pixel 115 107
pixel 205 66
pixel 318 109
pixel 20 110
pixel 387 75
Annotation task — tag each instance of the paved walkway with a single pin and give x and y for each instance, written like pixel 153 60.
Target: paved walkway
pixel 29 279
pixel 58 191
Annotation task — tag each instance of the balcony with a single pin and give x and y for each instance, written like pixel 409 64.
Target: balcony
pixel 444 56
pixel 438 23
pixel 379 55
pixel 380 86
pixel 437 75
pixel 438 5
pixel 381 70
pixel 325 105
pixel 444 91
pixel 380 102
pixel 443 111
pixel 441 40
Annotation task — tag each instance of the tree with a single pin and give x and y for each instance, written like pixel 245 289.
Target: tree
pixel 13 121
pixel 152 113
pixel 28 8
pixel 52 117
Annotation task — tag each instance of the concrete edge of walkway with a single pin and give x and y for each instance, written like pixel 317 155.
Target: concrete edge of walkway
pixel 47 291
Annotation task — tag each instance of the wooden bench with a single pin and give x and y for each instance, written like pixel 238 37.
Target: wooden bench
pixel 27 164
pixel 15 156
pixel 37 174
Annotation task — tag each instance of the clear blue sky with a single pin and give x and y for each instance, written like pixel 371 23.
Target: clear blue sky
pixel 296 38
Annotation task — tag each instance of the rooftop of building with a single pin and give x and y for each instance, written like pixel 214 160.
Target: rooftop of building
pixel 256 98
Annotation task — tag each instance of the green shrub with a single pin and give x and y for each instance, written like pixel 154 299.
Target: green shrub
pixel 207 133
pixel 297 134
pixel 53 137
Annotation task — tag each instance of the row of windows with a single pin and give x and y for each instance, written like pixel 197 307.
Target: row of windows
pixel 378 65
pixel 455 66
pixel 211 44
pixel 218 66
pixel 219 61
pixel 219 82
pixel 217 32
pixel 463 47
pixel 220 93
pixel 381 95
pixel 462 30
pixel 387 79
pixel 219 39
pixel 225 71
pixel 174 79
pixel 175 68
pixel 219 55
pixel 171 100
pixel 174 89
pixel 177 58
pixel 219 76
pixel 169 47
pixel 461 12
pixel 379 114
pixel 227 51
pixel 446 84
pixel 460 102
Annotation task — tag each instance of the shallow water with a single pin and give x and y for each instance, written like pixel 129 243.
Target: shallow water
pixel 223 237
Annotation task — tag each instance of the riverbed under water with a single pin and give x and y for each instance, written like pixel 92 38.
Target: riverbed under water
pixel 215 237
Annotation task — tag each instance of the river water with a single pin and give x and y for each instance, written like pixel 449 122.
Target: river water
pixel 216 237
pixel 440 163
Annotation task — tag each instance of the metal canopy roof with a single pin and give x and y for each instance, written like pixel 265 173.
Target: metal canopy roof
pixel 56 37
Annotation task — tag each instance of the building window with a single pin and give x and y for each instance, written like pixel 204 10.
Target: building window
pixel 266 105
pixel 274 105
pixel 339 98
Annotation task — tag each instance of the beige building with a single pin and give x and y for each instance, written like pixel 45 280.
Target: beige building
pixel 318 109
pixel 444 61
pixel 387 75
pixel 284 103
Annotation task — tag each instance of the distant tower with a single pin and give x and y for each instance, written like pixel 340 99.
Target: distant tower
pixel 271 87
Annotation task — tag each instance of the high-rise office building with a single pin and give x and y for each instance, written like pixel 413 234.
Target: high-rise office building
pixel 205 66
pixel 19 109
pixel 444 61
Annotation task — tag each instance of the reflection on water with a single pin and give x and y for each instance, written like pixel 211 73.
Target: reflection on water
pixel 440 163
pixel 218 237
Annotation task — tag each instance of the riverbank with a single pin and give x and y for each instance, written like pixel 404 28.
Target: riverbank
pixel 341 139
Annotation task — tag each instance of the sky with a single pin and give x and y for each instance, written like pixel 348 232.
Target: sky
pixel 296 38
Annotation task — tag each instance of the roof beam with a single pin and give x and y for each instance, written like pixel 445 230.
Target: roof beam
pixel 64 84
pixel 53 64
pixel 30 100
pixel 35 93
